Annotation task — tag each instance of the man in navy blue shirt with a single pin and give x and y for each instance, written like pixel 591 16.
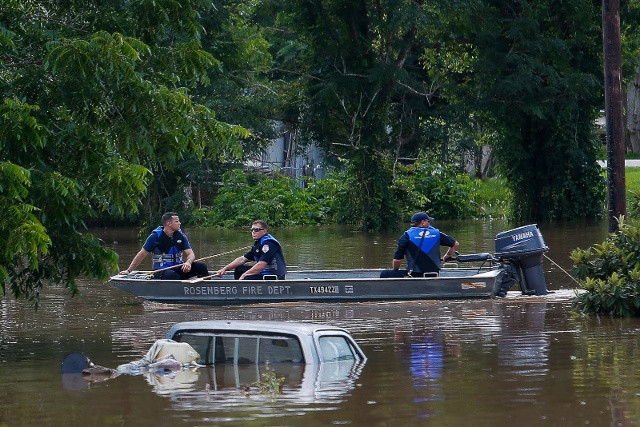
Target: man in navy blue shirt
pixel 421 245
pixel 167 243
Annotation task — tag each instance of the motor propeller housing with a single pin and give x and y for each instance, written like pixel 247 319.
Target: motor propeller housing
pixel 524 247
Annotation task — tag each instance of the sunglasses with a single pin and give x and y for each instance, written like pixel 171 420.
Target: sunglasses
pixel 255 230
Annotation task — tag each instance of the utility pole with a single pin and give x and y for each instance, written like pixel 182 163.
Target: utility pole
pixel 617 203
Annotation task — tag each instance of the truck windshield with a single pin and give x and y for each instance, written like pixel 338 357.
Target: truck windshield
pixel 237 348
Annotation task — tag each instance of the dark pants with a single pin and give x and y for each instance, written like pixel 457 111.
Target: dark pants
pixel 242 268
pixel 385 274
pixel 198 269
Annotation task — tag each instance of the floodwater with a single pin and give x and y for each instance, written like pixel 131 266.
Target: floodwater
pixel 524 360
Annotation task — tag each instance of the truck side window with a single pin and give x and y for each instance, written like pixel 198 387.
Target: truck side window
pixel 335 348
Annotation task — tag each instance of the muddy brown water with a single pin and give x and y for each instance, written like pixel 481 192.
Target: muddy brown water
pixel 522 360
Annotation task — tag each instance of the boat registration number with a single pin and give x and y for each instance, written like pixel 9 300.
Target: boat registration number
pixel 324 289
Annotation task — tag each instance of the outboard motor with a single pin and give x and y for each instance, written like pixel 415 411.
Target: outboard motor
pixel 524 246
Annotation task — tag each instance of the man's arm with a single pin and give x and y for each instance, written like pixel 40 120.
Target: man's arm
pixel 142 253
pixel 186 267
pixel 451 252
pixel 233 264
pixel 398 256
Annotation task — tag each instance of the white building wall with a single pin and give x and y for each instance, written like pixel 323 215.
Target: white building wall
pixel 282 155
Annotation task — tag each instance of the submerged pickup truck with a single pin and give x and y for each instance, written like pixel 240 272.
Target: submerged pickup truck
pixel 257 342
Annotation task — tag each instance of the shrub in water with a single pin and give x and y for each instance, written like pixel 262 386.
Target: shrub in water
pixel 610 271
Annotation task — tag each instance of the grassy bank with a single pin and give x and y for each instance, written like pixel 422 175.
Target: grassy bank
pixel 493 196
pixel 632 179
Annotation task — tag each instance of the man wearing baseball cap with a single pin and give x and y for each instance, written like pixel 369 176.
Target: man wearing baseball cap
pixel 421 245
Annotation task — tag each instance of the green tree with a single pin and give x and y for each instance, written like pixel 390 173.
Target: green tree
pixel 95 105
pixel 538 75
pixel 363 89
pixel 239 91
pixel 630 38
pixel 379 81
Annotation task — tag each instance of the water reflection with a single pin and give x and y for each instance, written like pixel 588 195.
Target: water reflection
pixel 522 345
pixel 235 389
pixel 424 353
pixel 173 382
pixel 74 382
pixel 302 382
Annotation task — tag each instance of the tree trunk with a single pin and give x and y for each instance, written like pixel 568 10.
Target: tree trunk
pixel 188 197
pixel 613 111
pixel 479 162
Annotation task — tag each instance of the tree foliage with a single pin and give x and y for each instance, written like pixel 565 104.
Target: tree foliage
pixel 95 102
pixel 278 200
pixel 281 201
pixel 443 190
pixel 538 75
pixel 363 89
pixel 609 272
pixel 238 89
pixel 380 81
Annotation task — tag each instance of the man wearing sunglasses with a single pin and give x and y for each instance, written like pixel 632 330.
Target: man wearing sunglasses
pixel 267 254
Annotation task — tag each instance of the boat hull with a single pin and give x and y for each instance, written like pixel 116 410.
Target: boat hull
pixel 315 285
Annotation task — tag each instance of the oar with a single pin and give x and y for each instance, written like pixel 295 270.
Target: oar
pixel 199 259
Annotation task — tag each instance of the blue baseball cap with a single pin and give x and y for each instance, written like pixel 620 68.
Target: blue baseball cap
pixel 419 216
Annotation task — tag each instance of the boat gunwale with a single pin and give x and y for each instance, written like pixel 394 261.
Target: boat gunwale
pixel 480 272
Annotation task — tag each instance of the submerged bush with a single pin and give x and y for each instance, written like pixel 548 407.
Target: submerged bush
pixel 610 271
pixel 443 190
pixel 245 197
pixel 493 198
